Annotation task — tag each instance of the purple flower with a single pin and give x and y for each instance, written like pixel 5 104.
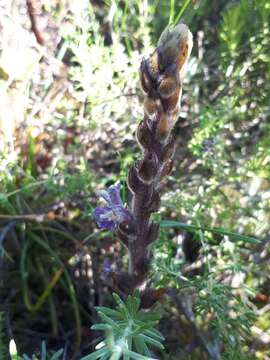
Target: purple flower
pixel 113 213
pixel 107 269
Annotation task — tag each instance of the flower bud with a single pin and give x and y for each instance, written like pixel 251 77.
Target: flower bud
pixel 174 46
pixel 174 114
pixel 152 67
pixel 168 150
pixel 144 135
pixel 151 105
pixel 150 296
pixel 163 127
pixel 167 86
pixel 141 264
pixel 126 282
pixel 166 169
pixel 135 185
pixel 172 102
pixel 145 82
pixel 149 72
pixel 148 167
pixel 154 203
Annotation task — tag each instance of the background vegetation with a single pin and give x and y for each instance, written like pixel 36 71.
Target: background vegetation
pixel 70 102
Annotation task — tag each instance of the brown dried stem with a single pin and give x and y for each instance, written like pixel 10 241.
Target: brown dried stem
pixel 33 20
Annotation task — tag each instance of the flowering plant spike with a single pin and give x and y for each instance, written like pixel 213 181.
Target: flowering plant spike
pixel 161 78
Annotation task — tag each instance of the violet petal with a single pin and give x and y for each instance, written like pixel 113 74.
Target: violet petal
pixel 105 195
pixel 114 193
pixel 103 219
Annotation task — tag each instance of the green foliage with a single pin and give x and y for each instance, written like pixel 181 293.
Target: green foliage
pixel 103 72
pixel 218 293
pixel 230 318
pixel 130 332
pixel 233 24
pixel 212 122
pixel 194 228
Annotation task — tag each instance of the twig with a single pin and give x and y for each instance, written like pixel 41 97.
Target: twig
pixel 50 216
pixel 33 20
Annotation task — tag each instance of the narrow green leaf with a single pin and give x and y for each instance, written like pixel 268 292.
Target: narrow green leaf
pixel 57 354
pixel 105 357
pixel 150 317
pixel 130 305
pixel 108 311
pixel 154 334
pixel 152 341
pixel 220 231
pixel 108 319
pixel 101 327
pixel 43 350
pixel 97 354
pixel 124 312
pixel 136 301
pixel 26 357
pixel 116 355
pixel 141 327
pixel 129 342
pixel 137 356
pixel 121 306
pixel 141 346
pixel 181 12
pixel 117 299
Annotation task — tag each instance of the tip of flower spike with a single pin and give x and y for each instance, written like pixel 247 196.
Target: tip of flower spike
pixel 174 45
pixel 176 35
